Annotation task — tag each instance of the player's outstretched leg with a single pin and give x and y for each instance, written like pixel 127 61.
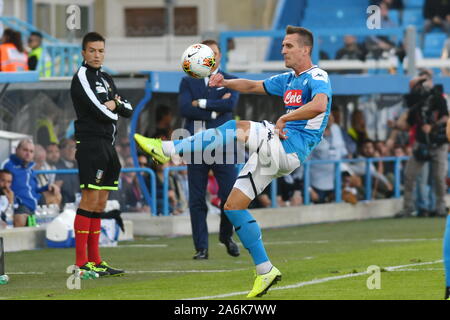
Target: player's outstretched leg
pixel 212 138
pixel 249 233
pixel 447 258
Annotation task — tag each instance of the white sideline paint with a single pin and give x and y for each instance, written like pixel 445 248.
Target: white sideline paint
pixel 25 273
pixel 183 271
pixel 406 240
pixel 315 281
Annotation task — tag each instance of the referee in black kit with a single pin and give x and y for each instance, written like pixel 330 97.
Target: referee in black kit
pixel 98 106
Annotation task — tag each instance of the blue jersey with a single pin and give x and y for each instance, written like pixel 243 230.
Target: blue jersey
pixel 303 135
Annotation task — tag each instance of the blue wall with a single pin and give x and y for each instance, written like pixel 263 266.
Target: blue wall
pixel 341 84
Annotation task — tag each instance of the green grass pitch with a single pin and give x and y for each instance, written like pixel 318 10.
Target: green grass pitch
pixel 323 261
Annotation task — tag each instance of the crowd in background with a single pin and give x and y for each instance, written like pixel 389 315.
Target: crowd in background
pixel 436 15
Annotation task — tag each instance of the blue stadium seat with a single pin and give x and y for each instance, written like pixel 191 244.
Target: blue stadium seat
pixel 413 3
pixel 335 17
pixel 331 44
pixel 394 16
pixel 414 17
pixel 317 4
pixel 433 44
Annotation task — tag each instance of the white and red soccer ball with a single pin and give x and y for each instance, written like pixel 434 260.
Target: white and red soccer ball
pixel 198 61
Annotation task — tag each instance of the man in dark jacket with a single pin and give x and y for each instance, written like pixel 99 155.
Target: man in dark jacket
pixel 204 107
pixel 98 105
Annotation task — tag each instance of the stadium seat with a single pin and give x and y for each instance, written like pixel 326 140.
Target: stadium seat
pixel 413 17
pixel 433 44
pixel 394 16
pixel 331 44
pixel 413 3
pixel 333 3
pixel 334 17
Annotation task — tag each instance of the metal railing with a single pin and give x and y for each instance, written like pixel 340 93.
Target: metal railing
pixel 151 202
pixel 307 179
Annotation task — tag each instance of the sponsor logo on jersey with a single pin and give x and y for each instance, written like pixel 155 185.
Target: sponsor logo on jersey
pixel 293 98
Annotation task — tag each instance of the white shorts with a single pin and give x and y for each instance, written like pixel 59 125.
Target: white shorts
pixel 267 160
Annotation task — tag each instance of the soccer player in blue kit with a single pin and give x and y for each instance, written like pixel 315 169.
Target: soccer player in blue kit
pixel 275 150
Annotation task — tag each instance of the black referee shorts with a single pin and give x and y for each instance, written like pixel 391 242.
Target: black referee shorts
pixel 98 165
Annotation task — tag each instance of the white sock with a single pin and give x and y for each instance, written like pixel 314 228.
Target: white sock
pixel 264 267
pixel 168 148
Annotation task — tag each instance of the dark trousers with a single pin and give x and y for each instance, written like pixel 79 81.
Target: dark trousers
pixel 198 180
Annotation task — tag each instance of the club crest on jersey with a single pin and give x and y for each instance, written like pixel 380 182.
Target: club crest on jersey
pixel 98 176
pixel 293 98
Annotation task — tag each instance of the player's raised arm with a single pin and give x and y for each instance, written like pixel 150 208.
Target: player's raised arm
pixel 241 85
pixel 310 110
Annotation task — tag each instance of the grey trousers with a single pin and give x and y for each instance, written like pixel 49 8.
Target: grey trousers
pixel 439 159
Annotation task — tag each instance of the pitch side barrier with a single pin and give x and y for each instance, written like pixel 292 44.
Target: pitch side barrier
pixel 307 179
pixel 151 201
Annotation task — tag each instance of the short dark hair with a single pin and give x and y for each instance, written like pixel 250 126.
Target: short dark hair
pixel 5 171
pixel 306 36
pixel 161 111
pixel 209 42
pixel 36 33
pixel 65 142
pixel 92 37
pixel 52 144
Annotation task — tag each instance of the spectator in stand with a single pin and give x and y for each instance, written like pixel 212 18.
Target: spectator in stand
pixel 130 192
pixel 12 54
pixel 358 131
pixel 437 15
pixel 445 56
pixel 36 53
pixel 164 119
pixel 351 51
pixel 69 183
pixel 381 46
pixel 290 189
pixel 323 175
pixel 40 159
pixel 339 132
pixel 53 155
pixel 6 194
pixel 24 185
pixel 159 170
pixel 392 4
pixel 381 187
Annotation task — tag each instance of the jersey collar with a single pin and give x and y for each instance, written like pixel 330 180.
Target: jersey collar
pixel 313 66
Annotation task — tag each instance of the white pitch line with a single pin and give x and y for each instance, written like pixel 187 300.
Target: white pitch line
pixel 315 281
pixel 406 240
pixel 25 273
pixel 184 271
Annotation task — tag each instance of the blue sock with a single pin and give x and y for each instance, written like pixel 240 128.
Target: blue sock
pixel 447 252
pixel 208 139
pixel 249 233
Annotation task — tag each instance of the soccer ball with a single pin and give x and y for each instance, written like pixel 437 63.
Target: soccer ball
pixel 198 60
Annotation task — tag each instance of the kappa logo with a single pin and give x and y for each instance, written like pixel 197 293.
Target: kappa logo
pixel 293 98
pixel 269 135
